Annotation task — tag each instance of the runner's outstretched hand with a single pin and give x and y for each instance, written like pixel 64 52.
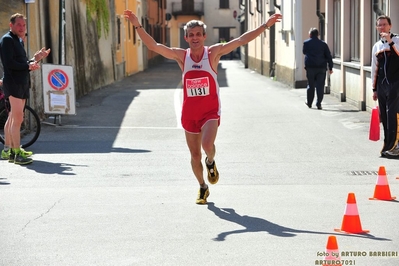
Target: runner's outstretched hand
pixel 129 15
pixel 273 19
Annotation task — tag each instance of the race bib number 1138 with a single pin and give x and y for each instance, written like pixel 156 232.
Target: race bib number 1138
pixel 197 87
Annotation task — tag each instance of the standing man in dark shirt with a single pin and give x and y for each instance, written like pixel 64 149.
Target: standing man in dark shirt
pixel 16 83
pixel 317 55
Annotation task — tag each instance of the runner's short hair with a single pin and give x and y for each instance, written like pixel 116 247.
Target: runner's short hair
pixel 192 24
pixel 15 16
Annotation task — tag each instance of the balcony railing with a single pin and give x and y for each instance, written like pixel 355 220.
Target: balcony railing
pixel 196 9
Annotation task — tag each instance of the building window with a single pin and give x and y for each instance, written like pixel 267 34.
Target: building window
pixel 118 25
pixel 147 26
pixel 355 30
pixel 157 35
pixel 337 29
pixel 223 4
pixel 224 34
pixel 166 34
pixel 134 34
pixel 128 29
pixel 259 6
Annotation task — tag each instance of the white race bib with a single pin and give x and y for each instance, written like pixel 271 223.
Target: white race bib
pixel 197 87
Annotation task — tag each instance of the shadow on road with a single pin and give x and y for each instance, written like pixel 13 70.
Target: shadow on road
pixel 254 224
pixel 4 182
pixel 53 168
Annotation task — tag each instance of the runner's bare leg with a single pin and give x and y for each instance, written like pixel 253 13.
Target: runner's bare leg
pixel 194 145
pixel 209 132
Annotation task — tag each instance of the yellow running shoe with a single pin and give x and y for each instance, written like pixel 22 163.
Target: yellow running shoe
pixel 203 194
pixel 213 174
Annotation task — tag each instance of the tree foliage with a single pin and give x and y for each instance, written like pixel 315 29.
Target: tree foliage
pixel 98 10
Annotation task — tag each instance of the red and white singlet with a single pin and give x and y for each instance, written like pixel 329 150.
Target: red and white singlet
pixel 200 88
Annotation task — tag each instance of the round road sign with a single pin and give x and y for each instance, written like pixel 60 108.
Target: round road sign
pixel 58 79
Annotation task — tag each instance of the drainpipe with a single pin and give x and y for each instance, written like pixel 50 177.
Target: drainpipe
pixel 272 32
pixel 245 30
pixel 61 36
pixel 262 40
pixel 377 9
pixel 321 19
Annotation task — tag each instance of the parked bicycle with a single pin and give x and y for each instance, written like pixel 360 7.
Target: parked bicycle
pixel 30 128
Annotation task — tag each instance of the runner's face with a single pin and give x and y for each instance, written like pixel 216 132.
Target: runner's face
pixel 195 37
pixel 19 27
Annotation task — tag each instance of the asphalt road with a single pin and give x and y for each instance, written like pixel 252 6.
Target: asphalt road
pixel 113 185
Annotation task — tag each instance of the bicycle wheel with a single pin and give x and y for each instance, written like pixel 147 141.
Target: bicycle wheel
pixel 3 119
pixel 30 128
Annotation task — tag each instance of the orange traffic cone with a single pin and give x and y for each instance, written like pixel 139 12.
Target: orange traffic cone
pixel 332 252
pixel 382 191
pixel 351 221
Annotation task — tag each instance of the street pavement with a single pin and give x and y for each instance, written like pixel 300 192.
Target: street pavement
pixel 112 185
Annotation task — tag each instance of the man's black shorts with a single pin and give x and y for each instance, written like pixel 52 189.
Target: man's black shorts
pixel 20 91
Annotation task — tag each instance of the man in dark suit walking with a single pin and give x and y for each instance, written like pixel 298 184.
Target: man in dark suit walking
pixel 317 56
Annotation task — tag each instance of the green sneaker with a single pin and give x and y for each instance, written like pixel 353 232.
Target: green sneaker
pixel 11 156
pixel 213 174
pixel 21 159
pixel 203 194
pixel 5 155
pixel 27 153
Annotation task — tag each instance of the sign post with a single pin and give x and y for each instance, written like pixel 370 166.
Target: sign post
pixel 58 89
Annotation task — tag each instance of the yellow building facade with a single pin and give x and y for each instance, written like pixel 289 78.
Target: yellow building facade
pixel 130 53
pixel 127 44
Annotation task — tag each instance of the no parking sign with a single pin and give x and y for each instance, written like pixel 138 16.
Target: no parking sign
pixel 58 89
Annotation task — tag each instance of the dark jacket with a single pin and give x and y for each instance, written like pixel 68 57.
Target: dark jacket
pixel 14 59
pixel 317 53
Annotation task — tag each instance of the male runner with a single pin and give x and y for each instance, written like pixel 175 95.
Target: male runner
pixel 201 103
